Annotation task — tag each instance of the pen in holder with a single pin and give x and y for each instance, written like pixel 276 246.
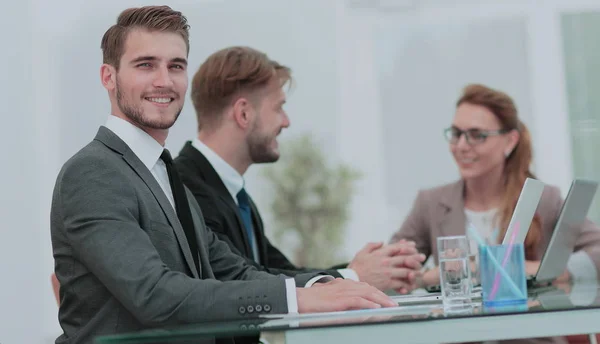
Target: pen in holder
pixel 504 283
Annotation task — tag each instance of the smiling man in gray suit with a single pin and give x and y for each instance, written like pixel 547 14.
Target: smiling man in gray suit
pixel 130 245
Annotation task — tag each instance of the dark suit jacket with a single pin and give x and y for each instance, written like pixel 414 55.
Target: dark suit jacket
pixel 123 260
pixel 222 215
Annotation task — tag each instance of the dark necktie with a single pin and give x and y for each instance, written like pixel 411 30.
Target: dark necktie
pixel 182 207
pixel 246 212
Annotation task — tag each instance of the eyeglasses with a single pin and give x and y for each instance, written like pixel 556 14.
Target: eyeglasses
pixel 473 136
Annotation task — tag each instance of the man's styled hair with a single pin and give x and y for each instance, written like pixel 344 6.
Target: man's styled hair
pixel 151 18
pixel 229 73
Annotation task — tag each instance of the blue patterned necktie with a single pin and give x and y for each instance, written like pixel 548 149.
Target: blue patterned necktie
pixel 246 212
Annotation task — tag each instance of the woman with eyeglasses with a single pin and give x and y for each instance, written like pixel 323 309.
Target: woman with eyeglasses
pixel 492 150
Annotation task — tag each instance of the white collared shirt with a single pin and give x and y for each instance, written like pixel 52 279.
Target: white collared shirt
pixel 146 148
pixel 233 180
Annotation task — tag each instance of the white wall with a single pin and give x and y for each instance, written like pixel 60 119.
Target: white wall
pixel 20 242
pixel 401 84
pixel 343 60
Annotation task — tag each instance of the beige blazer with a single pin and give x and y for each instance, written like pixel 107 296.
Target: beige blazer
pixel 440 212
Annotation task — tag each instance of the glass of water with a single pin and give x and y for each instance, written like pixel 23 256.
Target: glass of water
pixel 455 272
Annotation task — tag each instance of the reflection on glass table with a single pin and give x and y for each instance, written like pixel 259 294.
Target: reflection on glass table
pixel 557 299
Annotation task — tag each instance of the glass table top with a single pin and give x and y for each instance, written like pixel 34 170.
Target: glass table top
pixel 564 297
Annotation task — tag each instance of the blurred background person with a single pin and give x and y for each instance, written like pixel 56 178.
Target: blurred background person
pixel 493 152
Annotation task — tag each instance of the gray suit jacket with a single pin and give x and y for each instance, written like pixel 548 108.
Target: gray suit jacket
pixel 123 260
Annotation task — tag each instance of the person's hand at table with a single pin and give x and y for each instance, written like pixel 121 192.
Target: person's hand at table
pixel 341 295
pixel 396 266
pixel 430 277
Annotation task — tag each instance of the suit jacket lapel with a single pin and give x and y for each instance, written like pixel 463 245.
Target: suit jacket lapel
pixel 258 228
pixel 450 212
pixel 114 142
pixel 212 178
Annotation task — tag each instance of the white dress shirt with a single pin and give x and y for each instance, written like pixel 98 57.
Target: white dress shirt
pixel 148 150
pixel 234 182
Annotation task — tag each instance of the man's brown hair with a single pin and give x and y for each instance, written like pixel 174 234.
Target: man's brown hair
pixel 151 18
pixel 229 73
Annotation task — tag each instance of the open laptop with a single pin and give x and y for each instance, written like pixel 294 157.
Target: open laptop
pixel 524 211
pixel 566 231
